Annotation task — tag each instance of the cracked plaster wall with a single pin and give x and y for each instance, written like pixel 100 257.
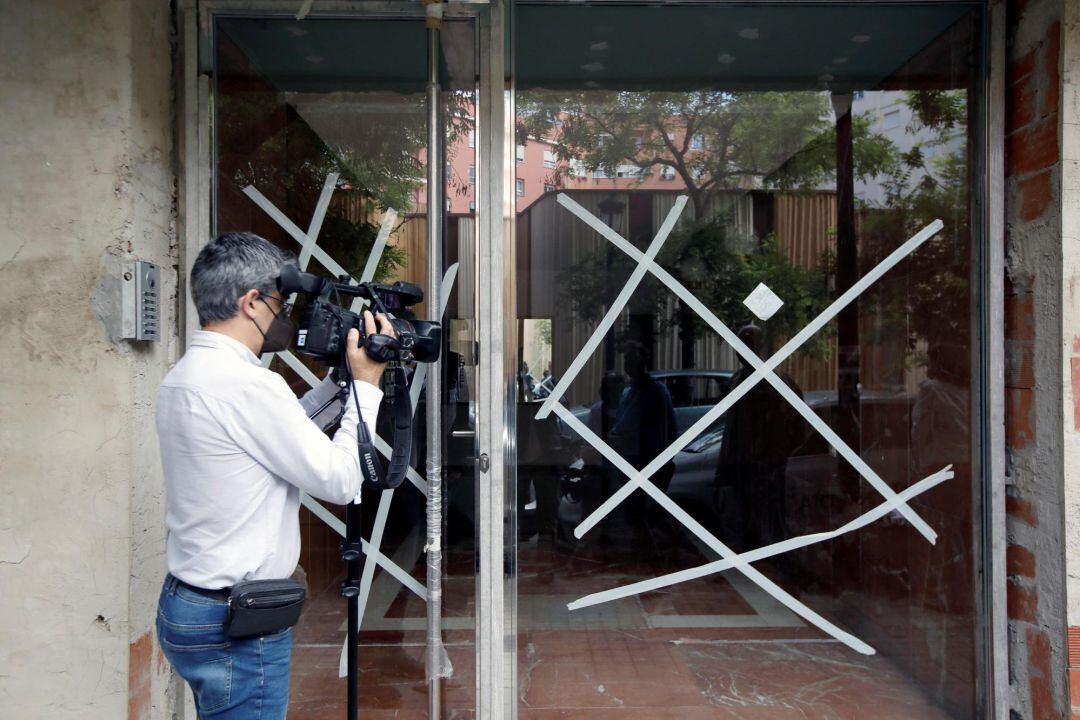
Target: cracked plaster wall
pixel 86 184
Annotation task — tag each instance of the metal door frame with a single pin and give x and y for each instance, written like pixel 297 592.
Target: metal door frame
pixel 495 292
pixel 195 172
pixel 991 678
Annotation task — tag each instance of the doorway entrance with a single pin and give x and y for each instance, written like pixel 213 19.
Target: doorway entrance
pixel 707 441
pixel 748 276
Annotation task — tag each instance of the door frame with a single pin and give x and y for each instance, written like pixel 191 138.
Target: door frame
pixel 496 332
pixel 193 78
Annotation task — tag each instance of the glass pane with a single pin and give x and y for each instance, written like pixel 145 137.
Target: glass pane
pixel 769 177
pixel 297 103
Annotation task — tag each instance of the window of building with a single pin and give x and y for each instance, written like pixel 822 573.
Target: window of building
pixel 599 172
pixel 472 174
pixel 892 119
pixel 667 172
pixel 472 138
pixel 697 142
pixel 549 159
pixel 521 153
pixel 519 187
pixel 548 187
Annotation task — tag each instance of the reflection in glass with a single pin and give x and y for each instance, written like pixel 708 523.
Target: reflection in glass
pixel 298 103
pixel 804 165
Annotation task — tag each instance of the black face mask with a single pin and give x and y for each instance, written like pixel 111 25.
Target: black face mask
pixel 279 335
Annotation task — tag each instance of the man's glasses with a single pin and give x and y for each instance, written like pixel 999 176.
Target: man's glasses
pixel 286 307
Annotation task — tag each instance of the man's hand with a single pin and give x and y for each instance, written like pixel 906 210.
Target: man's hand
pixel 364 368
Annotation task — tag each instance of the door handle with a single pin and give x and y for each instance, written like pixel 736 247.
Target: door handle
pixel 462 433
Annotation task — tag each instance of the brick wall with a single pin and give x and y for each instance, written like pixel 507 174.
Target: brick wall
pixel 1037 647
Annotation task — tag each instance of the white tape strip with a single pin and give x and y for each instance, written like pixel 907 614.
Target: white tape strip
pixel 617 306
pixel 767 551
pixel 387 496
pixel 309 246
pixel 713 543
pixel 753 575
pixel 290 227
pixel 315 226
pixel 762 370
pixel 381 513
pixel 300 368
pixel 386 563
pixel 375 256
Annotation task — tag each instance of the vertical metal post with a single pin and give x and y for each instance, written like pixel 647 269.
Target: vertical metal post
pixel 993 380
pixel 496 400
pixel 433 416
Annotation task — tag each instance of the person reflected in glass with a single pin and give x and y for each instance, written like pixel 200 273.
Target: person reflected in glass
pixel 602 416
pixel 527 382
pixel 645 419
pixel 644 426
pixel 761 433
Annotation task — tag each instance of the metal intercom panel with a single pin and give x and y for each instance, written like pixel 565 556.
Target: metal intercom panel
pixel 141 315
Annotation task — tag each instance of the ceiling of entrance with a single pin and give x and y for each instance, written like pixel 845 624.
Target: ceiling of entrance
pixel 729 47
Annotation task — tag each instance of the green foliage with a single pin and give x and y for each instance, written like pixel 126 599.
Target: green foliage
pixel 719 270
pixel 350 243
pixel 936 305
pixel 712 140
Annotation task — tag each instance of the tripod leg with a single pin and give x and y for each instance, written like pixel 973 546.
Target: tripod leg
pixel 353 562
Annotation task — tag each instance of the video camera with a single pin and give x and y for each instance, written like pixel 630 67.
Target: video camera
pixel 324 324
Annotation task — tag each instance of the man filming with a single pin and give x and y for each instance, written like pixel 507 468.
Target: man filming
pixel 237 449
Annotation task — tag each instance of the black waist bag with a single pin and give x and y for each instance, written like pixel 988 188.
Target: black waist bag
pixel 264 607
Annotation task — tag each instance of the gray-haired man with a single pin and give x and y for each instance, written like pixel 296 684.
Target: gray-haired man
pixel 237 450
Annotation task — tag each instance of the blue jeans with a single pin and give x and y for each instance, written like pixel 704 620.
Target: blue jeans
pixel 231 679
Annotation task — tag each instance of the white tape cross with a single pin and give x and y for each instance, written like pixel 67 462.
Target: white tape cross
pixel 762 370
pixel 309 248
pixel 767 551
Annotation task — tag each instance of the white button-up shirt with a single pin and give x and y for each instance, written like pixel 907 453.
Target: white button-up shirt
pixel 237 449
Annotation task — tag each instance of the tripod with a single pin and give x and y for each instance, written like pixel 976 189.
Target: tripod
pixel 351 553
pixel 352 546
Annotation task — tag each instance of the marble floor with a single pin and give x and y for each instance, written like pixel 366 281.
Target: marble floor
pixel 714 648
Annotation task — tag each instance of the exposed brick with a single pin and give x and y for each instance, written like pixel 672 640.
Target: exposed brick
pixel 1020 68
pixel 1020 104
pixel 1020 316
pixel 1042 699
pixel 1032 148
pixel 1074 367
pixel 1022 602
pixel 139 675
pixel 1021 509
pixel 1034 196
pixel 1019 417
pixel 1019 364
pixel 1051 59
pixel 1074 691
pixel 1020 561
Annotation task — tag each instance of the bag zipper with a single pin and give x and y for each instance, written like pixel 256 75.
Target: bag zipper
pixel 270 599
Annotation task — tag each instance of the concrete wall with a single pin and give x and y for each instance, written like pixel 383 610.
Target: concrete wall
pixel 86 184
pixel 1070 320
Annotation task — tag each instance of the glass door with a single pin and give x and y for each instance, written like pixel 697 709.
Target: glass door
pixel 748 251
pixel 337 139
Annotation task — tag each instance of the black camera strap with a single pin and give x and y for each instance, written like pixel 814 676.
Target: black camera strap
pixel 370 463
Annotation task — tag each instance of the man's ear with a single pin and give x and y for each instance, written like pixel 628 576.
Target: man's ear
pixel 246 304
